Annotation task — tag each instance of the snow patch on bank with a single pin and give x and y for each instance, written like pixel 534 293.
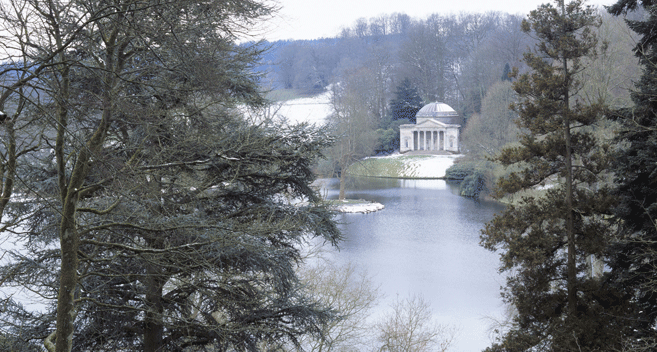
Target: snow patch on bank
pixel 433 166
pixel 359 207
pixel 424 166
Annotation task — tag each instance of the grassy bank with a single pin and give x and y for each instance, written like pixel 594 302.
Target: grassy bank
pixel 402 166
pixel 377 167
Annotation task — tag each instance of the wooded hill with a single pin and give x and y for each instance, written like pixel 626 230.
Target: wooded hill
pixel 457 59
pixel 453 58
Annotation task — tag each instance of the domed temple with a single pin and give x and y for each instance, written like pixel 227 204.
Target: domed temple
pixel 436 129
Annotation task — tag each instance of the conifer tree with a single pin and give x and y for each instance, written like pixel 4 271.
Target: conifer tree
pixel 407 102
pixel 549 237
pixel 506 72
pixel 153 214
pixel 635 255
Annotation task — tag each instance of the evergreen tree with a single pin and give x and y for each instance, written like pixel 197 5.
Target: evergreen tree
pixel 407 102
pixel 635 255
pixel 156 217
pixel 550 237
pixel 506 72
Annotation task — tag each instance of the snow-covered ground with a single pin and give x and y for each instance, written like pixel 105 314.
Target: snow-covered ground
pixel 426 166
pixel 433 166
pixel 366 207
pixel 313 110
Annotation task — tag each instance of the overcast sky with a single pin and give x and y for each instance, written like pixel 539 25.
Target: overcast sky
pixel 311 19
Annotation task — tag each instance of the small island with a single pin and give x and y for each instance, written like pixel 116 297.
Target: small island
pixel 355 206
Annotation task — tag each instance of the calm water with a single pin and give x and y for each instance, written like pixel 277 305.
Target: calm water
pixel 426 241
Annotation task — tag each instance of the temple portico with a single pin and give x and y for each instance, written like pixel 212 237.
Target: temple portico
pixel 435 130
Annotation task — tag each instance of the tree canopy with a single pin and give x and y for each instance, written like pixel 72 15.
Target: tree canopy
pixel 634 256
pixel 154 213
pixel 550 240
pixel 407 102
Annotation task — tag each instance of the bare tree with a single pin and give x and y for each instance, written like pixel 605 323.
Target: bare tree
pixel 410 328
pixel 613 71
pixel 486 133
pixel 351 294
pixel 353 122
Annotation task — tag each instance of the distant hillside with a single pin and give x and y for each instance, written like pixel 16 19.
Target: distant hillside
pixel 452 59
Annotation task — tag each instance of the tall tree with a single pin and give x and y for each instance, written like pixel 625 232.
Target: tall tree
pixel 547 240
pixel 424 57
pixel 216 264
pixel 406 103
pixel 635 255
pixel 168 220
pixel 353 123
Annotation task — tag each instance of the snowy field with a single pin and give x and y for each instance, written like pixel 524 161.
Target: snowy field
pixel 364 208
pixel 434 166
pixel 313 110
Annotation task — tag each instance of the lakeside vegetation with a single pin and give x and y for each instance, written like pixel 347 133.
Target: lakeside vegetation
pixel 396 167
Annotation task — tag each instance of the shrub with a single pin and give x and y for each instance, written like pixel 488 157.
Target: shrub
pixel 460 170
pixel 473 177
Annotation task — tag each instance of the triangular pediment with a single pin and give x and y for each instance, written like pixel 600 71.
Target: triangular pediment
pixel 428 123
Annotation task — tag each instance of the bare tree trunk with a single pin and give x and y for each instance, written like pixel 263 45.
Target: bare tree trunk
pixel 153 328
pixel 69 243
pixel 343 176
pixel 572 263
pixel 343 180
pixel 8 169
pixel 69 238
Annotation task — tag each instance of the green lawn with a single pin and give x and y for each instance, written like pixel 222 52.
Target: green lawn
pixel 377 167
pixel 385 167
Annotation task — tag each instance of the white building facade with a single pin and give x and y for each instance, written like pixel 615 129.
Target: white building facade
pixel 436 129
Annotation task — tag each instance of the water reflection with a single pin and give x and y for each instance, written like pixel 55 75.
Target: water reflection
pixel 426 241
pixel 424 184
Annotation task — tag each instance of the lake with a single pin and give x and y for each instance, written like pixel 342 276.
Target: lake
pixel 426 241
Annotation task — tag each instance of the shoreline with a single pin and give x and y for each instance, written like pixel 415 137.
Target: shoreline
pixel 355 206
pixel 401 177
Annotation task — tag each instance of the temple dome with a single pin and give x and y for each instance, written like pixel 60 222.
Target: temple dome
pixel 439 111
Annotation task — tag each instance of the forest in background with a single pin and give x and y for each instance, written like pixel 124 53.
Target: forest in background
pixel 392 65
